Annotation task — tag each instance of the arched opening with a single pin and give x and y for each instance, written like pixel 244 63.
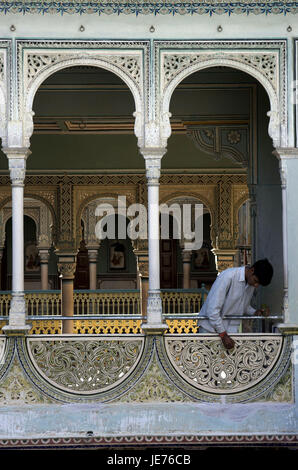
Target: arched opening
pixel 78 112
pixel 220 139
pixel 244 238
pixel 116 265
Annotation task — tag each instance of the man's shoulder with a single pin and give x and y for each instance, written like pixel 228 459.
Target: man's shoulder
pixel 231 272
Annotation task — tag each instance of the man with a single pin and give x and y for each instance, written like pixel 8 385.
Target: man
pixel 231 294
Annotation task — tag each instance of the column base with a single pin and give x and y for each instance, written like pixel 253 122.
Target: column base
pixel 288 328
pixel 15 330
pixel 17 320
pixel 155 324
pixel 154 329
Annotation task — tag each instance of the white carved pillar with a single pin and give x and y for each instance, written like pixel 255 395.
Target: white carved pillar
pixel 17 167
pixel 1 256
pixel 288 159
pixel 186 260
pixel 92 255
pixel 154 323
pixel 44 268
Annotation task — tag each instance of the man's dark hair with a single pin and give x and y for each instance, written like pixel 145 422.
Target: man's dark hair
pixel 264 271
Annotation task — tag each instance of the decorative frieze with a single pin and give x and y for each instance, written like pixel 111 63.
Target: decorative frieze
pixel 171 7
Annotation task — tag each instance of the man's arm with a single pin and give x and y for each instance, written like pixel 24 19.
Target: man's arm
pixel 218 295
pixel 250 310
pixel 260 311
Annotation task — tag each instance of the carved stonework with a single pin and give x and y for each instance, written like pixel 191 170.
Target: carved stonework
pixel 224 259
pixel 37 60
pixel 170 8
pixel 153 163
pixel 154 387
pixel 265 60
pixel 67 270
pixel 154 308
pixel 85 367
pixel 283 390
pixel 206 364
pixel 17 390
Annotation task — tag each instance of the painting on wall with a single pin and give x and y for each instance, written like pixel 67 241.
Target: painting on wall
pixel 32 261
pixel 202 257
pixel 117 255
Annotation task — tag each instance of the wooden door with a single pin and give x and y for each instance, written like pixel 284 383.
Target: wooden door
pixel 168 264
pixel 81 280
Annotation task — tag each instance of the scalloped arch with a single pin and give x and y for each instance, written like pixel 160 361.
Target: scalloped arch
pixel 99 62
pixel 274 113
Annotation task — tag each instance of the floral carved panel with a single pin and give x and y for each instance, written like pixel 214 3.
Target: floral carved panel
pixel 207 365
pixel 85 366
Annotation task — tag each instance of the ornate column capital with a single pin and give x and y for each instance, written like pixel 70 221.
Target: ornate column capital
pixel 143 264
pixel 224 259
pixel 157 132
pixel 17 164
pixel 186 256
pixel 285 154
pixel 92 253
pixel 44 255
pixel 66 265
pixel 67 270
pixel 153 158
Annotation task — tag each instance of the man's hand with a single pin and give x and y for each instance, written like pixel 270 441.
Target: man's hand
pixel 264 312
pixel 228 342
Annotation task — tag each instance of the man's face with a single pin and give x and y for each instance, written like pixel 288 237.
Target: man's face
pixel 251 278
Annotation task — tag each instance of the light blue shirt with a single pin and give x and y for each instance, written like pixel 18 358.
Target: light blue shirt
pixel 229 295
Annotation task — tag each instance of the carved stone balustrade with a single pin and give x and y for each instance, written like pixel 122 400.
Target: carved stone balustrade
pixel 145 368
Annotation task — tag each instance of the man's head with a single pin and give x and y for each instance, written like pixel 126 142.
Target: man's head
pixel 260 273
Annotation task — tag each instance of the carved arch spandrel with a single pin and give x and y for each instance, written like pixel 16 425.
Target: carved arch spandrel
pixel 264 60
pixel 39 60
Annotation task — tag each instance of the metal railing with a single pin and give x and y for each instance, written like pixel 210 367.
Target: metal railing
pixel 86 302
pixel 105 310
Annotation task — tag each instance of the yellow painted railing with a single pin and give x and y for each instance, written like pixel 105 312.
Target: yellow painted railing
pixel 183 300
pixel 111 306
pixel 107 302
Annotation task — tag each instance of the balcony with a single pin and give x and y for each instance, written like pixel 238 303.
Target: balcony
pixel 118 312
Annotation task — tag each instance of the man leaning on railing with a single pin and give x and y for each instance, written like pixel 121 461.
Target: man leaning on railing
pixel 230 295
